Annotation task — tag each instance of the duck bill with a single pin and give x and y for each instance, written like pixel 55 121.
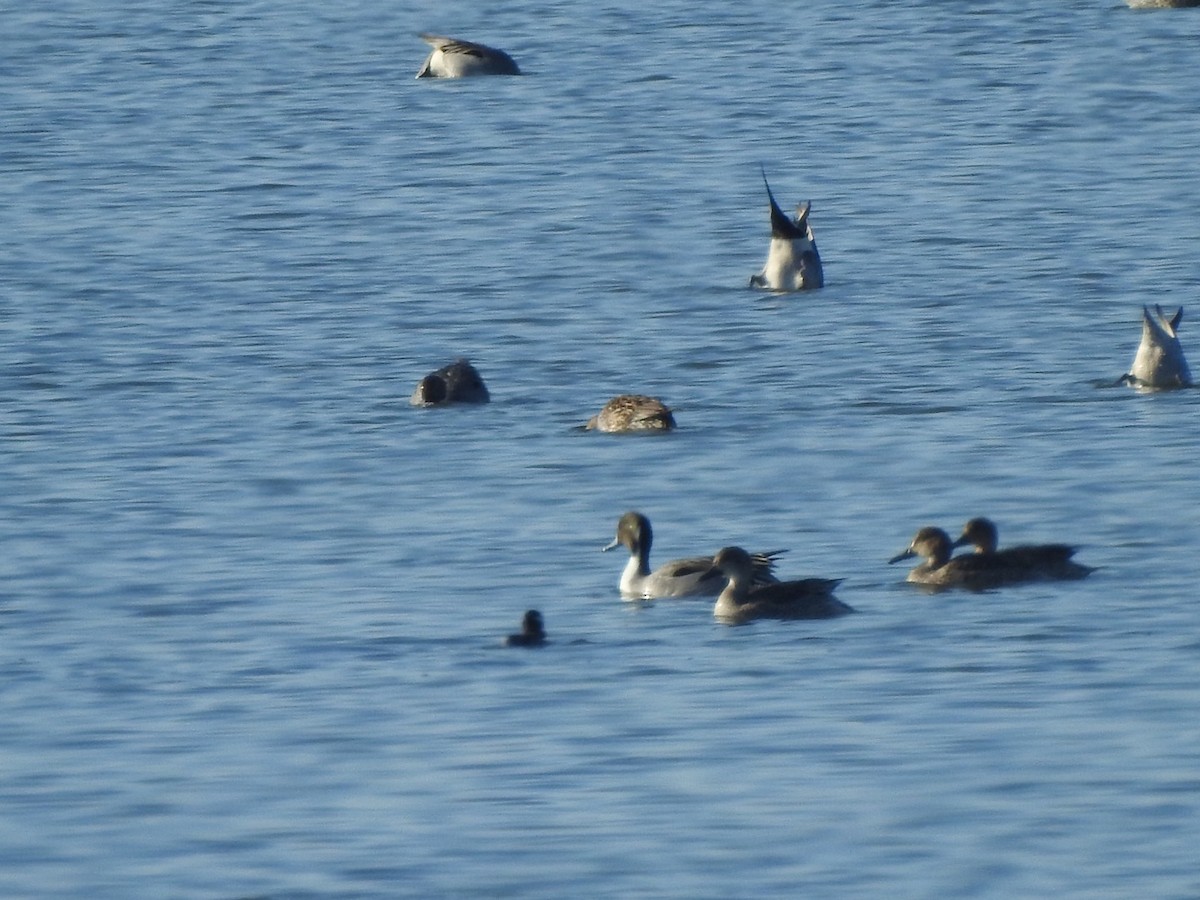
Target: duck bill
pixel 907 554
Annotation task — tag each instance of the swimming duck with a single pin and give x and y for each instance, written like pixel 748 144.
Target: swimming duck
pixel 459 382
pixel 1162 4
pixel 974 571
pixel 742 600
pixel 1027 562
pixel 632 412
pixel 1159 362
pixel 459 59
pixel 692 577
pixel 793 263
pixel 533 631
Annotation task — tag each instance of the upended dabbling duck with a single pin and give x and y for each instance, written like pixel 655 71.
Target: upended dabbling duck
pixel 452 58
pixel 690 577
pixel 1159 363
pixel 793 262
pixel 458 382
pixel 1025 562
pixel 973 571
pixel 629 413
pixel 742 600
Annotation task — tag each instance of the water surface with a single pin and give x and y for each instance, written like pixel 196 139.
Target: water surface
pixel 251 601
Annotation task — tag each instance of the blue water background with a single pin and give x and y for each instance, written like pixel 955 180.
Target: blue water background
pixel 251 601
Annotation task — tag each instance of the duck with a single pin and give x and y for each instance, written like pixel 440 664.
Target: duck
pixel 1162 4
pixel 452 58
pixel 973 571
pixel 742 600
pixel 1027 562
pixel 632 413
pixel 458 382
pixel 793 263
pixel 691 577
pixel 1159 363
pixel 533 631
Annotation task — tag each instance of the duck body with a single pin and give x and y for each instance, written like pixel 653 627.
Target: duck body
pixel 1159 363
pixel 1162 4
pixel 689 577
pixel 793 262
pixel 741 600
pixel 452 58
pixel 1024 562
pixel 632 413
pixel 533 631
pixel 972 571
pixel 458 382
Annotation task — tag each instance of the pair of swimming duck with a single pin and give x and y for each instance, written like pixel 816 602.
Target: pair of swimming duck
pixel 743 583
pixel 988 566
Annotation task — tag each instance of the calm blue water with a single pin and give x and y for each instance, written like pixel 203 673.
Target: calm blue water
pixel 251 601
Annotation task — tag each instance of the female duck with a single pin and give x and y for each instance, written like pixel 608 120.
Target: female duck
pixel 533 631
pixel 1028 562
pixel 632 412
pixel 973 571
pixel 742 600
pixel 693 577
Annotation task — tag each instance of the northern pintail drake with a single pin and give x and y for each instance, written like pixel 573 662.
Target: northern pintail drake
pixel 453 58
pixel 793 263
pixel 692 577
pixel 1025 562
pixel 533 631
pixel 743 600
pixel 632 412
pixel 1159 362
pixel 459 382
